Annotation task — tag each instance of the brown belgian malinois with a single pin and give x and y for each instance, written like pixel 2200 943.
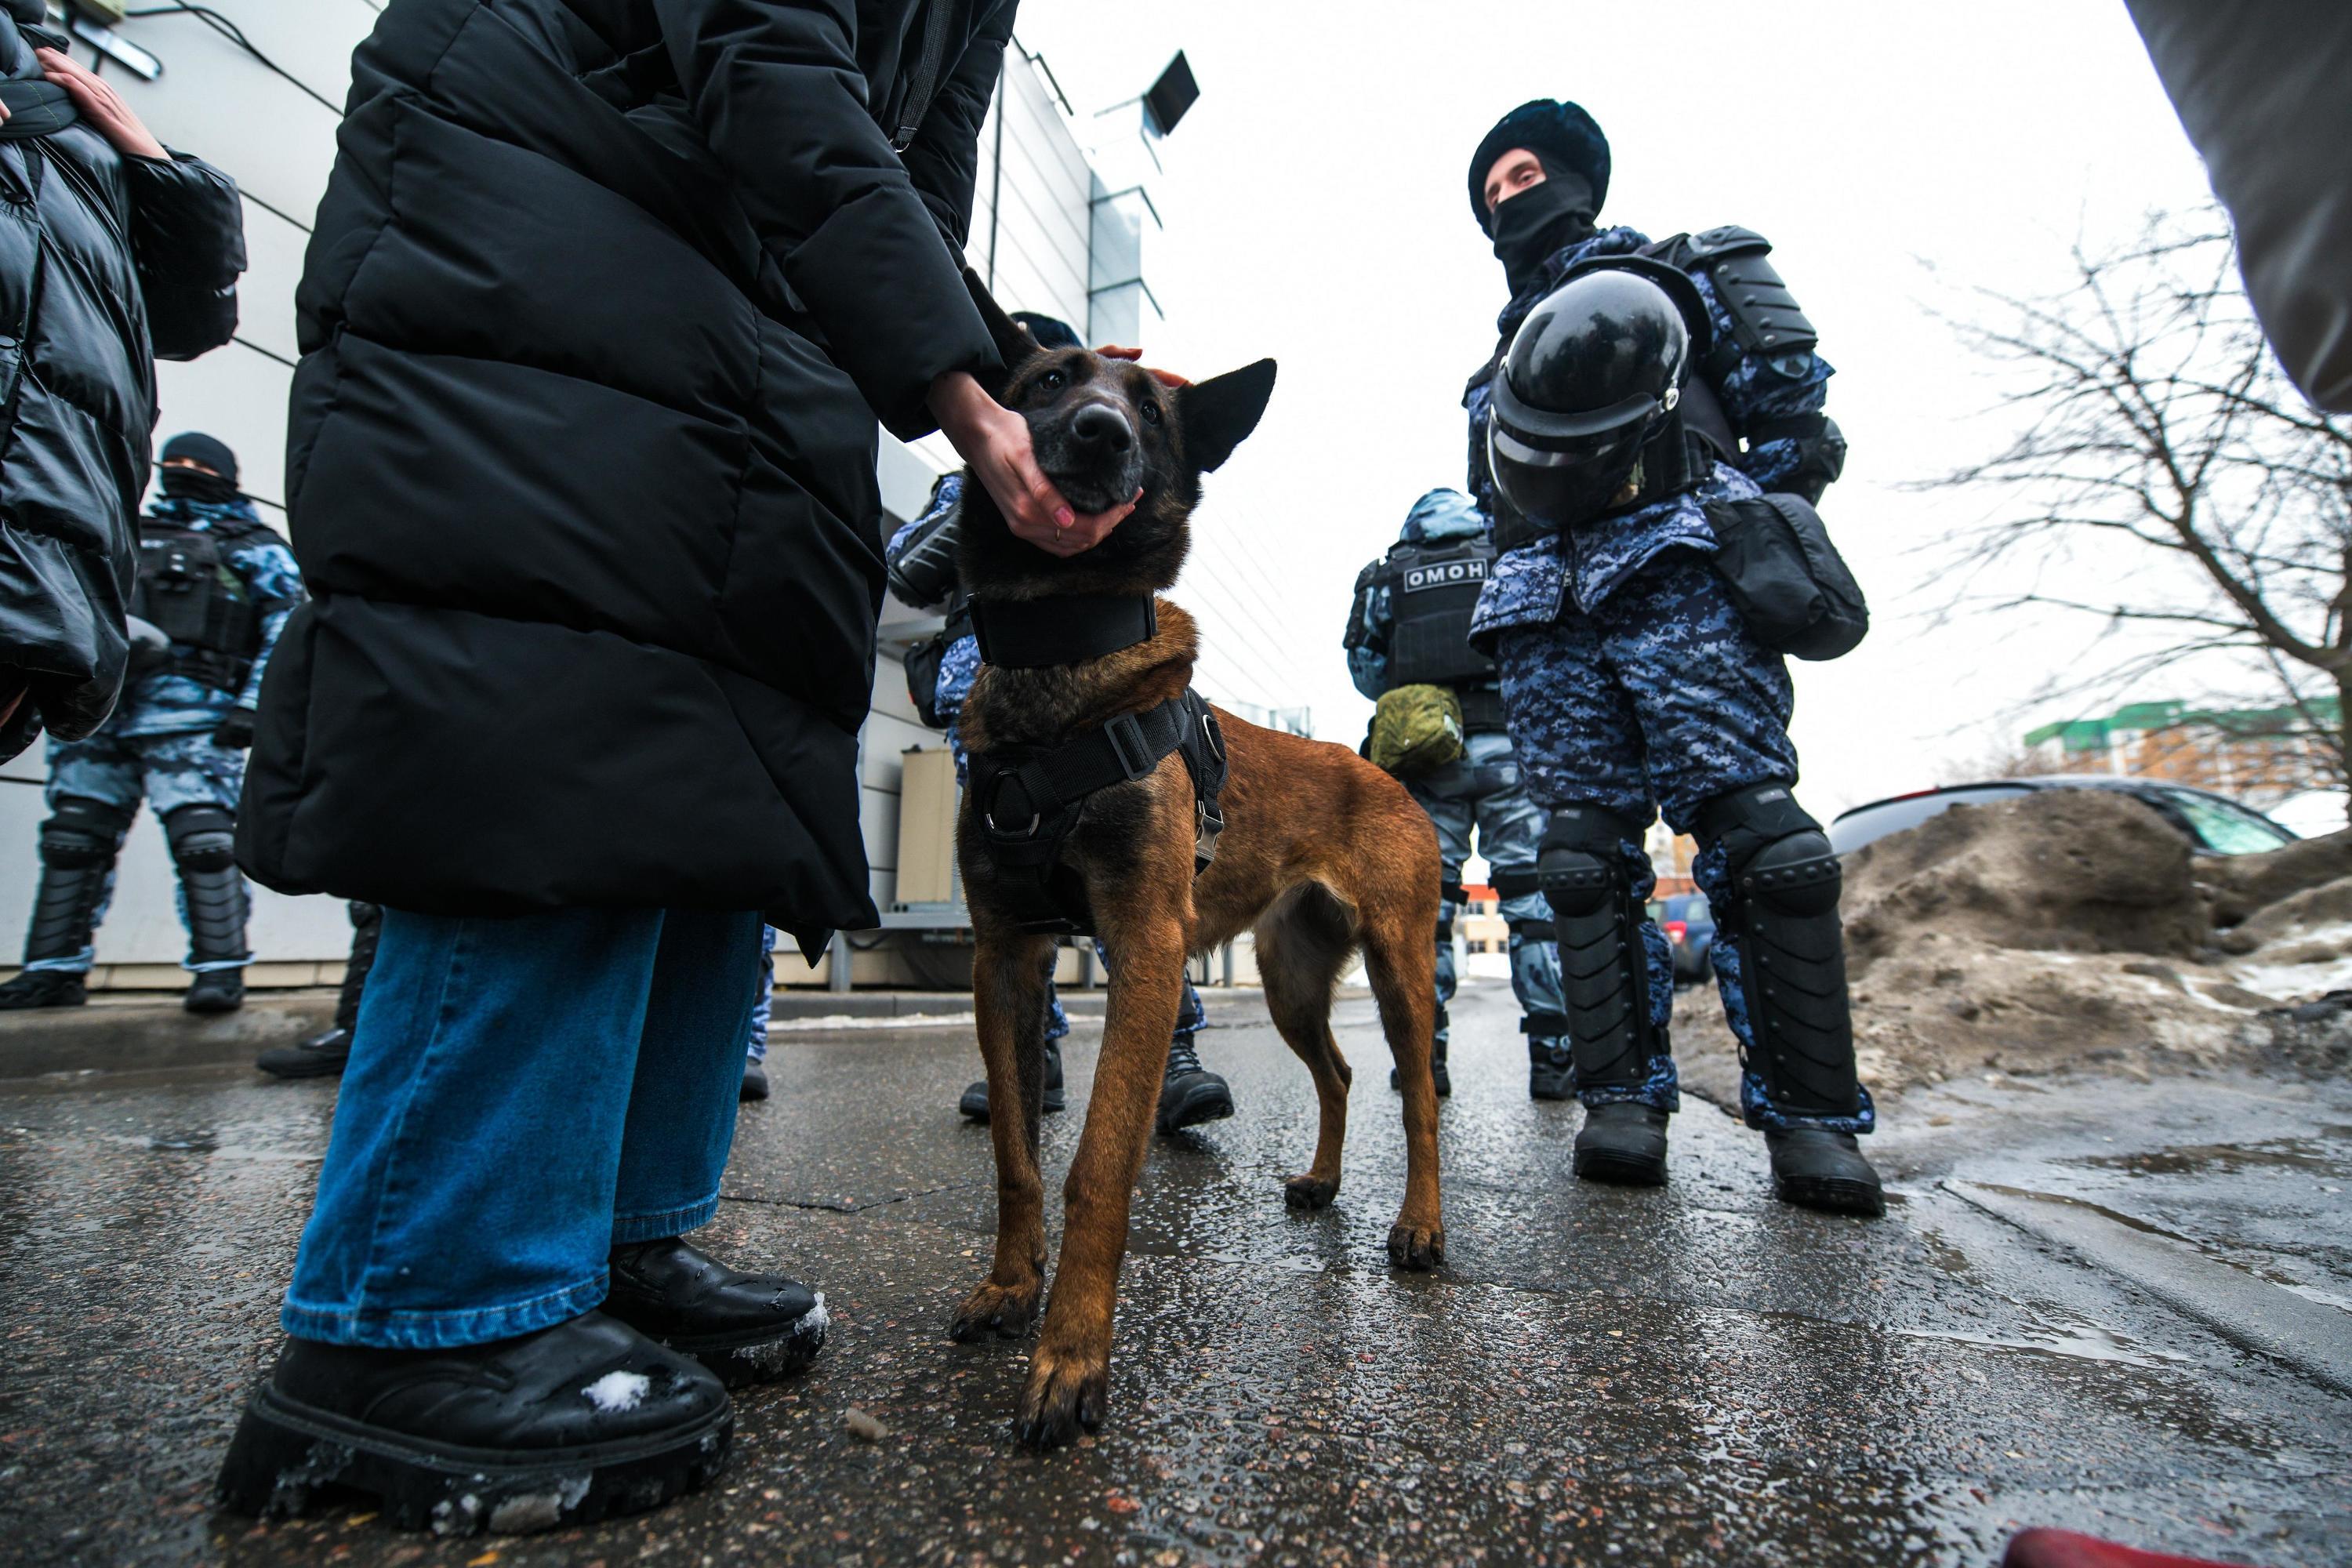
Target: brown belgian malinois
pixel 1321 855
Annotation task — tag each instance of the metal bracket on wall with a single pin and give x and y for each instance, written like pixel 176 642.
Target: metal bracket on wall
pixel 115 47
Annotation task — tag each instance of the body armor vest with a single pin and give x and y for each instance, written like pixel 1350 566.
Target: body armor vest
pixel 1432 589
pixel 187 589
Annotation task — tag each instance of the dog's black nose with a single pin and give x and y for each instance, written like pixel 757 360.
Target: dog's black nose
pixel 1099 425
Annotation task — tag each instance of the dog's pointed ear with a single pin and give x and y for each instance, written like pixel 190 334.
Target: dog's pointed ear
pixel 1013 341
pixel 1219 414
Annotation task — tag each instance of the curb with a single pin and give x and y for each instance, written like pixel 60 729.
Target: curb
pixel 144 1035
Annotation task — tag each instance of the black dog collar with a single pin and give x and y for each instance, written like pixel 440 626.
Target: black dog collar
pixel 1069 629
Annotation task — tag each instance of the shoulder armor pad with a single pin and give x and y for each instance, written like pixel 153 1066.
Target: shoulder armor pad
pixel 1730 240
pixel 1766 320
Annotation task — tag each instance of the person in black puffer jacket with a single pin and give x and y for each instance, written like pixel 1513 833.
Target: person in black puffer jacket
pixel 114 251
pixel 602 303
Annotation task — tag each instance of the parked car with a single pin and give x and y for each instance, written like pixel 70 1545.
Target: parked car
pixel 1689 925
pixel 2213 823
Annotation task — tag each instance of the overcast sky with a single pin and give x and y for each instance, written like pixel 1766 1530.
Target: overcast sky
pixel 1895 155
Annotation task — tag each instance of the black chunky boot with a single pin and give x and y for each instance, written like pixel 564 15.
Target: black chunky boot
pixel 1191 1094
pixel 1604 977
pixel 326 1055
pixel 1623 1143
pixel 1551 1065
pixel 755 1081
pixel 746 1328
pixel 564 1426
pixel 44 988
pixel 974 1102
pixel 1817 1169
pixel 215 991
pixel 320 1055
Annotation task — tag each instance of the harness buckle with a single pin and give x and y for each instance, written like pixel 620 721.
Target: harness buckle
pixel 1129 748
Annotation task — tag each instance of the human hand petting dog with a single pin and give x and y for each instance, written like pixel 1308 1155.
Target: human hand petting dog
pixel 995 442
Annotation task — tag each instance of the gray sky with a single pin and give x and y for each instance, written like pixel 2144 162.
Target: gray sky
pixel 1896 154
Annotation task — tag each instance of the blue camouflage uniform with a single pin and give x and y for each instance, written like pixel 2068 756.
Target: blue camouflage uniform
pixel 1631 681
pixel 1483 790
pixel 959 667
pixel 159 744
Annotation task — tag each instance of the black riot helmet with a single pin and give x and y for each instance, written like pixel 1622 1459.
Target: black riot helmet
pixel 1593 375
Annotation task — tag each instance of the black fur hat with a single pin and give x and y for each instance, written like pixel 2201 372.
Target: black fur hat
pixel 1559 133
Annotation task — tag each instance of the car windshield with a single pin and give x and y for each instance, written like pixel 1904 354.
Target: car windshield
pixel 2225 826
pixel 1866 823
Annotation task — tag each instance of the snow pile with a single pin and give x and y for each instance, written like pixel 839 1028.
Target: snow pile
pixel 2073 928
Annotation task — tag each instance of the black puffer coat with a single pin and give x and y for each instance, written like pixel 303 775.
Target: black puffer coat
pixel 603 299
pixel 100 255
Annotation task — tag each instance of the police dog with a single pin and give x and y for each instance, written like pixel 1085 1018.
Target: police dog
pixel 1322 855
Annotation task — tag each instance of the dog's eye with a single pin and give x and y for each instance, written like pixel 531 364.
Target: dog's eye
pixel 1151 414
pixel 1052 380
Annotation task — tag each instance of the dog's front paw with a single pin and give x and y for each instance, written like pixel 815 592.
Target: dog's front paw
pixel 1066 1391
pixel 1309 1192
pixel 1005 1311
pixel 1416 1246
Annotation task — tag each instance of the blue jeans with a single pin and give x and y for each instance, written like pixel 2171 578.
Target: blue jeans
pixel 523 1095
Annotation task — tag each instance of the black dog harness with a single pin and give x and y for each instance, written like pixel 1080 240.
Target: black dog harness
pixel 1031 798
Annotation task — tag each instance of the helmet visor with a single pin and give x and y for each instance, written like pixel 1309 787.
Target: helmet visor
pixel 1561 489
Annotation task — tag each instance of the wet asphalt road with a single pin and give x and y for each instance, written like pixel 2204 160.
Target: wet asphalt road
pixel 1693 1375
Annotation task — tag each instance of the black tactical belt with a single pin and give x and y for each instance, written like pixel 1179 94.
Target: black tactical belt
pixel 1068 628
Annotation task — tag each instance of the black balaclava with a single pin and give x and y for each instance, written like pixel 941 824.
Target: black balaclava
pixel 194 484
pixel 1530 228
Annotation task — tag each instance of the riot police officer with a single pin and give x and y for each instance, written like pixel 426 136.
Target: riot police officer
pixel 1635 387
pixel 1411 625
pixel 922 570
pixel 219 585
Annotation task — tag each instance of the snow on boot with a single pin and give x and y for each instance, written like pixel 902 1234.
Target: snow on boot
pixel 43 988
pixel 746 1328
pixel 566 1426
pixel 974 1102
pixel 1191 1094
pixel 1817 1169
pixel 1623 1142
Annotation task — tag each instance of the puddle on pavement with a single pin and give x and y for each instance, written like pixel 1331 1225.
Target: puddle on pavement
pixel 2078 1340
pixel 2315 1155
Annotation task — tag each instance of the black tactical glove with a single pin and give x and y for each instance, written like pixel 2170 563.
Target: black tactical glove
pixel 235 729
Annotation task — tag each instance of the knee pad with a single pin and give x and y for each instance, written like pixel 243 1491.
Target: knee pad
pixel 83 832
pixel 1798 875
pixel 202 837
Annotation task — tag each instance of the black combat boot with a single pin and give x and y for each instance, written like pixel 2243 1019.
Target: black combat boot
pixel 1623 1143
pixel 755 1081
pixel 747 1328
pixel 974 1102
pixel 1786 882
pixel 44 988
pixel 1818 1169
pixel 1551 1065
pixel 326 1055
pixel 215 991
pixel 320 1055
pixel 1604 977
pixel 562 1426
pixel 1191 1094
